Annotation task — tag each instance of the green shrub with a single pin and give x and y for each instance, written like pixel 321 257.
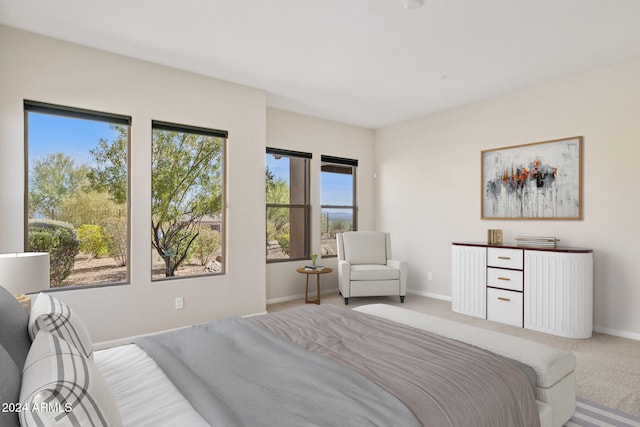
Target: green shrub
pixel 115 236
pixel 206 245
pixel 182 240
pixel 280 234
pixel 60 240
pixel 92 241
pixel 283 241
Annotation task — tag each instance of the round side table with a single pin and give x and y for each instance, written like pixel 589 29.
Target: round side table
pixel 316 273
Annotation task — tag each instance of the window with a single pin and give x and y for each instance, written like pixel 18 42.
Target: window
pixel 287 188
pixel 187 201
pixel 338 200
pixel 77 165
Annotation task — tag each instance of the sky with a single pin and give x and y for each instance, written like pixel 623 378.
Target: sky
pixel 75 137
pixel 336 189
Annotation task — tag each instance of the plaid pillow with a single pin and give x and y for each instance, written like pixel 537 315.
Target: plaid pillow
pixel 51 314
pixel 61 387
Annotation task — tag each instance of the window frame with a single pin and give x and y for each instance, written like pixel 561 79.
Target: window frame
pixel 31 106
pixel 216 133
pixel 306 206
pixel 328 161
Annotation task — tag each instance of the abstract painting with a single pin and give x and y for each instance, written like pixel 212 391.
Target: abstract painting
pixel 542 180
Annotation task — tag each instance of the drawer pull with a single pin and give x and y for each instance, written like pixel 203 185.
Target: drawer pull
pixel 504 299
pixel 504 278
pixel 504 257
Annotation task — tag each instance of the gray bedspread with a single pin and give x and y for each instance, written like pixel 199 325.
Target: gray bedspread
pixel 444 382
pixel 236 373
pixel 319 365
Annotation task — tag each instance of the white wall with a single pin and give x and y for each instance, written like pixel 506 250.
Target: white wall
pixel 298 132
pixel 429 189
pixel 43 69
pixel 426 193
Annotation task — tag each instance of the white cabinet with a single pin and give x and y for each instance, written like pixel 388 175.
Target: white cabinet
pixel 558 293
pixel 504 306
pixel 505 279
pixel 468 294
pixel 547 290
pixel 505 258
pixel 504 285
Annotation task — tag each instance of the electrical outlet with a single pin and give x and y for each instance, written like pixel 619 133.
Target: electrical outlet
pixel 429 276
pixel 179 303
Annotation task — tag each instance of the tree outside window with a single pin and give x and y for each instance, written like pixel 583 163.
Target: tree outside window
pixel 77 193
pixel 187 200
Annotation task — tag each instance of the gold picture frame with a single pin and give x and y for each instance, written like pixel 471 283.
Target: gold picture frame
pixel 536 181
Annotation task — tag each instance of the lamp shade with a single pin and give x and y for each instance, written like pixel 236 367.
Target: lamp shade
pixel 24 273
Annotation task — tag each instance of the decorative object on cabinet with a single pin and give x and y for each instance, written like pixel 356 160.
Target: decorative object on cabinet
pixel 544 289
pixel 494 237
pixel 542 180
pixel 533 241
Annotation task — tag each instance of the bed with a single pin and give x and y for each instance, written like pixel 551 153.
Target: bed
pixel 317 365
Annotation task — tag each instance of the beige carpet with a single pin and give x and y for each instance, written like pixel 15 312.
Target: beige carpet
pixel 608 369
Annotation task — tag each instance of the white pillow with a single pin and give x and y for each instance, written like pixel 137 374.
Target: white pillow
pixel 51 314
pixel 60 387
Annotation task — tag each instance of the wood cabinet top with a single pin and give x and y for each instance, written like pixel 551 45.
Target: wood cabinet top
pixel 529 248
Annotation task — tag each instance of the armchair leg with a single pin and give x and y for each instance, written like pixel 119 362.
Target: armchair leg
pixel 401 298
pixel 346 301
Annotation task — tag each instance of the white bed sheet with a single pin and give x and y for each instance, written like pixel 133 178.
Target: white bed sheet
pixel 144 394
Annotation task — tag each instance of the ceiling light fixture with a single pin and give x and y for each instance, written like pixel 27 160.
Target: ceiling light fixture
pixel 414 4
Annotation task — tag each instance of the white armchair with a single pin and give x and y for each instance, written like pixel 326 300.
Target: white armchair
pixel 365 267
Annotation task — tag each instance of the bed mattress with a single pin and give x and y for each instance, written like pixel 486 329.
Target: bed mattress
pixel 144 394
pixel 147 397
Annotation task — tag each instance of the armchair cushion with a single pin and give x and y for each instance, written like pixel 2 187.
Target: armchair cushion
pixel 374 272
pixel 365 247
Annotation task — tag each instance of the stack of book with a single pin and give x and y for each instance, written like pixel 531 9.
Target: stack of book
pixel 545 242
pixel 494 237
pixel 314 267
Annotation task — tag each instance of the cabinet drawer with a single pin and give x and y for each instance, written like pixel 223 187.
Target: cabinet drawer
pixel 505 258
pixel 504 306
pixel 505 279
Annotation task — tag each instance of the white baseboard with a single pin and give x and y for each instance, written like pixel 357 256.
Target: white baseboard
pixel 299 296
pixel 617 333
pixel 332 291
pixel 429 295
pixel 256 314
pixel 128 340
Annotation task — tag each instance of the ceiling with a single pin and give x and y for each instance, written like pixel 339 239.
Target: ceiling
pixel 365 62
